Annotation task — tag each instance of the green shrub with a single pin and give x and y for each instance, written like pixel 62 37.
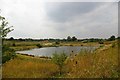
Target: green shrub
pixel 14 44
pixel 113 45
pixel 101 46
pixel 59 60
pixel 71 45
pixel 7 54
pixel 101 42
pixel 39 45
pixel 57 43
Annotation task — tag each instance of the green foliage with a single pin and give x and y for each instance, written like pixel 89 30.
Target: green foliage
pixel 7 54
pixel 74 38
pixel 112 38
pixel 59 59
pixel 57 43
pixel 113 45
pixel 39 45
pixel 71 38
pixel 101 42
pixel 3 30
pixel 11 38
pixel 71 45
pixel 14 44
pixel 101 46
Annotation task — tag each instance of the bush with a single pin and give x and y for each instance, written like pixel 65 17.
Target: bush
pixel 71 45
pixel 59 60
pixel 14 44
pixel 101 42
pixel 39 45
pixel 57 43
pixel 113 45
pixel 7 54
pixel 101 46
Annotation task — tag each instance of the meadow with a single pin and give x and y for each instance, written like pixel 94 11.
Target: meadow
pixel 102 63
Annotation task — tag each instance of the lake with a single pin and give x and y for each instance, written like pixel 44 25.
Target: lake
pixel 48 51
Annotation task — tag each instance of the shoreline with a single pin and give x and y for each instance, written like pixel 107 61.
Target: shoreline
pixel 55 46
pixel 28 47
pixel 45 57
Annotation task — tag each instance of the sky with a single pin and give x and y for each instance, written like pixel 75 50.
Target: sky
pixel 57 19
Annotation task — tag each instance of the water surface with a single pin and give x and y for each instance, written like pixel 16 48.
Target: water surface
pixel 48 51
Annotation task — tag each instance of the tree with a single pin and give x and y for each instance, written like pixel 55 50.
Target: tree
pixel 112 38
pixel 7 53
pixel 4 29
pixel 11 38
pixel 59 60
pixel 69 38
pixel 74 38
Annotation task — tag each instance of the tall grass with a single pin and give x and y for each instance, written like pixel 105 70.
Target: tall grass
pixel 99 64
pixel 29 67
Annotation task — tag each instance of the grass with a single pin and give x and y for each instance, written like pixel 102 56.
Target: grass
pixel 102 63
pixel 29 67
pixel 79 44
pixel 20 48
pixel 0 71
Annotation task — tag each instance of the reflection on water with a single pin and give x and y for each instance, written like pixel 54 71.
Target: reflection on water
pixel 48 51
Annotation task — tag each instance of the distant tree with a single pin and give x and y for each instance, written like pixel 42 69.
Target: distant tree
pixel 111 38
pixel 20 39
pixel 63 40
pixel 118 38
pixel 69 38
pixel 11 38
pixel 74 38
pixel 59 60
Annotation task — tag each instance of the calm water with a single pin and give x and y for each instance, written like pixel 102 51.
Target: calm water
pixel 48 51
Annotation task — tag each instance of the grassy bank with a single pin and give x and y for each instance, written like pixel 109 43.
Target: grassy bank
pixel 26 45
pixel 103 63
pixel 29 67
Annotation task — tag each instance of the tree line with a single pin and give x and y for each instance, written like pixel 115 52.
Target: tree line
pixel 69 38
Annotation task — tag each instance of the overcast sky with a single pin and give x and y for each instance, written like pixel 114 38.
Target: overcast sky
pixel 38 19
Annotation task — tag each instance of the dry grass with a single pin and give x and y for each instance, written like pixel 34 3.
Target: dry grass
pixel 29 67
pixel 0 71
pixel 79 44
pixel 19 48
pixel 100 64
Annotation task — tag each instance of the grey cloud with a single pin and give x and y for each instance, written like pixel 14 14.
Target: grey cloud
pixel 65 11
